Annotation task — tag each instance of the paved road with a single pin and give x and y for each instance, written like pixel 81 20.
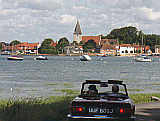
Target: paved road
pixel 148 111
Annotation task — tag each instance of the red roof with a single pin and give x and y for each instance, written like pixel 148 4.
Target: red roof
pixel 107 46
pixel 126 45
pixel 27 45
pixel 54 43
pixel 147 48
pixel 95 38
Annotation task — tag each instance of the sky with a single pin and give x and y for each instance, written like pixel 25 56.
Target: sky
pixel 32 20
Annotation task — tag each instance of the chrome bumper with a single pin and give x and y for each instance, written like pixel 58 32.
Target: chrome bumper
pixel 98 117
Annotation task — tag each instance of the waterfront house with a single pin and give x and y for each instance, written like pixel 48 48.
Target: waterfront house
pixel 23 48
pixel 108 49
pixel 28 48
pixel 126 50
pixel 72 48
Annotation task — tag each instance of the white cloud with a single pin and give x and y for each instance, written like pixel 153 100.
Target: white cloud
pixel 57 18
pixel 150 13
pixel 68 19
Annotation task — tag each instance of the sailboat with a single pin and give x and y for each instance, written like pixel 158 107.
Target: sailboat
pixel 40 57
pixel 143 58
pixel 15 57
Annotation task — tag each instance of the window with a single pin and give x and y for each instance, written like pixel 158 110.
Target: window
pixel 35 47
pixel 122 51
pixel 29 47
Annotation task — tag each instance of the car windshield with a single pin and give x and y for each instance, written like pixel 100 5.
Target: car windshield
pixel 106 89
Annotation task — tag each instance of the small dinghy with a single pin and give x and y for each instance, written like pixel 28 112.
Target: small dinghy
pixel 85 58
pixel 40 58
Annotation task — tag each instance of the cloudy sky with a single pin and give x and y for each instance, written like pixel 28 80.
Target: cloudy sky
pixel 29 20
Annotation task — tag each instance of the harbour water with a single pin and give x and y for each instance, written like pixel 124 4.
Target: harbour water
pixel 30 78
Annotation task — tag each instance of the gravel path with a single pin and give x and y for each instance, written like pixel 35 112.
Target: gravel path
pixel 148 111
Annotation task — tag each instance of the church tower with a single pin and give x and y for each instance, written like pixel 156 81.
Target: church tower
pixel 77 35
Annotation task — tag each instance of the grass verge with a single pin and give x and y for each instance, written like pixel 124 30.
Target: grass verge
pixel 49 109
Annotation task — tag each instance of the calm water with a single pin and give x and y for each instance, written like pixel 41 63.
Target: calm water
pixel 45 78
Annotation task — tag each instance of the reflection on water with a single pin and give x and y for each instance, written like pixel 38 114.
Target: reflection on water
pixel 49 77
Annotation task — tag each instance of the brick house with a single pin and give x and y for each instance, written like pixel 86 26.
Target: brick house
pixel 108 49
pixel 24 48
pixel 97 39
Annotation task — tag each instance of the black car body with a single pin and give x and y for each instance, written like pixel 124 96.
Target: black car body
pixel 103 103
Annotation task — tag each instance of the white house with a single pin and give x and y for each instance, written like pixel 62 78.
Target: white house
pixel 126 50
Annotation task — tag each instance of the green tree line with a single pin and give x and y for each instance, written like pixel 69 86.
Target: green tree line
pixel 130 35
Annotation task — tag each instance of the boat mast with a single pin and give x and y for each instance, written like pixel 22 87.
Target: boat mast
pixel 37 46
pixel 142 45
pixel 12 47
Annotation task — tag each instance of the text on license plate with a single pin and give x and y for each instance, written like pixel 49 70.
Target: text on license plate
pixel 100 110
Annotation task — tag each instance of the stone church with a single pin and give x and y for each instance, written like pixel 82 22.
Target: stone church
pixel 77 35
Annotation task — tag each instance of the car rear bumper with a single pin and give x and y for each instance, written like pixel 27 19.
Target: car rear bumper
pixel 98 117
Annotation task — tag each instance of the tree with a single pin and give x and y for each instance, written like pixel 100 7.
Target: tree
pixel 62 43
pixel 0 46
pixel 130 35
pixel 15 42
pixel 47 48
pixel 125 35
pixel 90 44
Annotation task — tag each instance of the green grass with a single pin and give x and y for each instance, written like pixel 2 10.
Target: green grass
pixel 143 98
pixel 51 84
pixel 70 91
pixel 56 90
pixel 154 84
pixel 132 90
pixel 50 109
pixel 68 85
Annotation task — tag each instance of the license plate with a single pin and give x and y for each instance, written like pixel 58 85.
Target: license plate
pixel 100 110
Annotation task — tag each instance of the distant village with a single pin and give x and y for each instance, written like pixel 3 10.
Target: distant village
pixel 109 47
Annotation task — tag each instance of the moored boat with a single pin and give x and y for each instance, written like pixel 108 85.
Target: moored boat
pixel 15 57
pixel 104 55
pixel 41 58
pixel 85 58
pixel 143 59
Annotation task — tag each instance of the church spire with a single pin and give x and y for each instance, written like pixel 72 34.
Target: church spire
pixel 77 30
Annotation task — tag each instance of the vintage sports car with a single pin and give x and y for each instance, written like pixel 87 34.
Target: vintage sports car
pixel 102 100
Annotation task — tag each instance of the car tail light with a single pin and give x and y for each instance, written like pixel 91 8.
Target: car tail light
pixel 122 110
pixel 77 109
pixel 126 110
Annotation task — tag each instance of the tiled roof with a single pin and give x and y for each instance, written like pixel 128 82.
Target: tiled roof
pixel 147 48
pixel 95 38
pixel 107 46
pixel 27 45
pixel 114 41
pixel 126 45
